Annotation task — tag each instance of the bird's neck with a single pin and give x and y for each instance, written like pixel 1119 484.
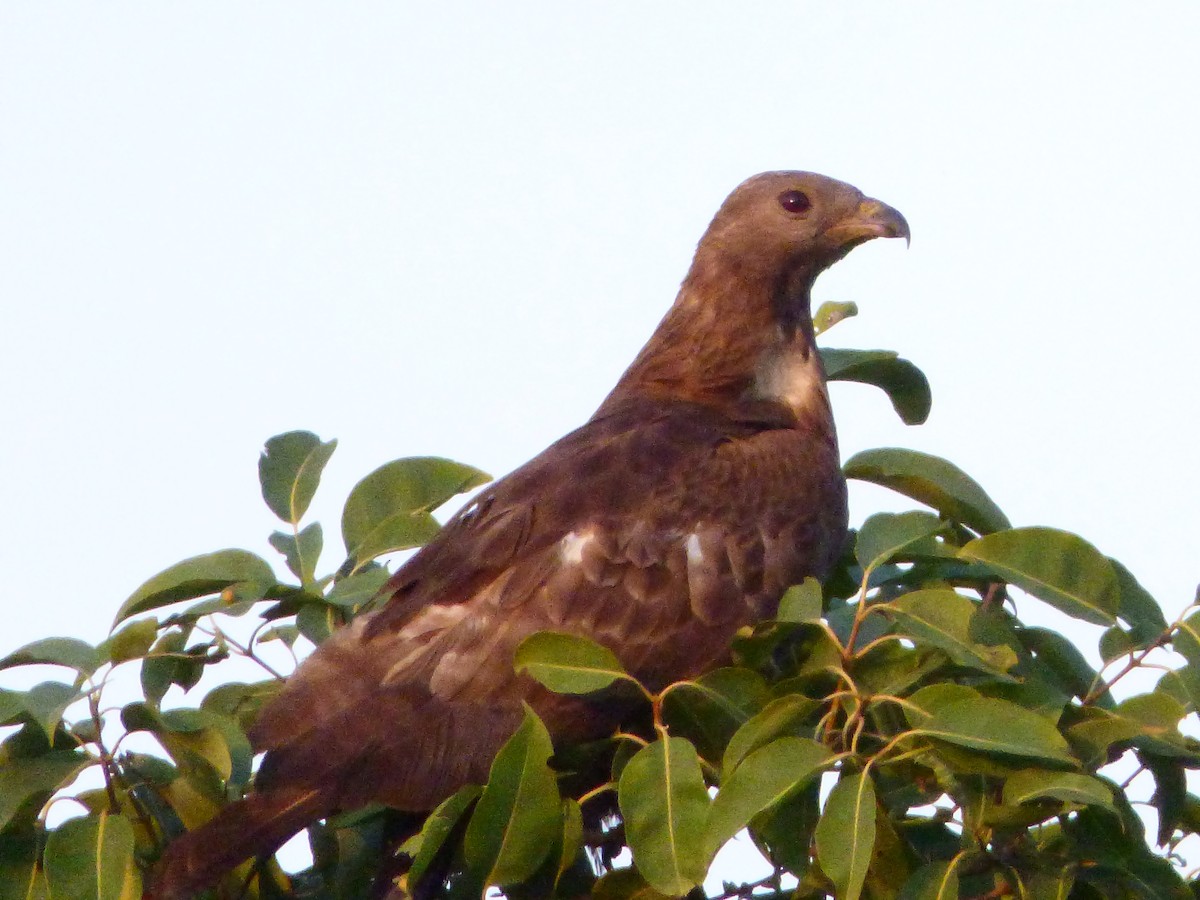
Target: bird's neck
pixel 733 339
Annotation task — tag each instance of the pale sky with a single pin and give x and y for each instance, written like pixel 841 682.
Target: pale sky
pixel 447 229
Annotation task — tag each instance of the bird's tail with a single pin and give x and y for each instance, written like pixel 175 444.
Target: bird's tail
pixel 255 826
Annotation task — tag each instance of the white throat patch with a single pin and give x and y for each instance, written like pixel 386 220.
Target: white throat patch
pixel 784 373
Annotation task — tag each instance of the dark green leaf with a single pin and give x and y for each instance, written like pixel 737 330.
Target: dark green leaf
pixel 934 881
pixel 1139 610
pixel 846 834
pixel 765 777
pixel 92 859
pixel 1055 566
pixel 567 663
pixel 198 577
pixel 37 777
pixel 710 709
pixel 289 471
pixel 301 551
pixel 437 828
pixel 21 874
pixel 779 717
pixel 389 509
pixel 884 535
pixel 942 618
pixel 664 803
pixel 1064 661
pixel 625 884
pixel 801 602
pixel 516 820
pixel 931 480
pixel 905 384
pixel 1115 643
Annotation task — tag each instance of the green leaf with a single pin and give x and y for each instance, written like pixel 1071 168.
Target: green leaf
pixel 934 881
pixel 942 618
pixel 1064 661
pixel 801 602
pixel 517 818
pixel 990 725
pixel 884 535
pixel 1115 643
pixel 1069 787
pixel 567 663
pixel 424 846
pixel 846 834
pixel 765 777
pixel 355 590
pixel 664 803
pixel 783 716
pixel 37 777
pixel 46 703
pixel 389 509
pixel 931 480
pixel 572 835
pixel 710 709
pixel 1056 566
pixel 131 642
pixel 60 651
pixel 197 577
pixel 92 859
pixel 301 551
pixel 1140 610
pixel 21 874
pixel 830 313
pixel 289 471
pixel 905 384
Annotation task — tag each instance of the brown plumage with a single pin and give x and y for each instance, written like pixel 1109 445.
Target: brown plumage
pixel 705 484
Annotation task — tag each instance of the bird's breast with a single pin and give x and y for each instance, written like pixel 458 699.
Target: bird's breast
pixel 790 372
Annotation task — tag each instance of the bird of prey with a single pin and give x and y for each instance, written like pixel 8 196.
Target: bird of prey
pixel 707 482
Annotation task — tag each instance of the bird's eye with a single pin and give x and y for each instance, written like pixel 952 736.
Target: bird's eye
pixel 795 201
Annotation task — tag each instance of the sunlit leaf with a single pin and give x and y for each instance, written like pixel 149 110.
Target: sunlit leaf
pixel 664 803
pixel 358 588
pixel 289 471
pixel 846 834
pixel 1055 566
pixel 931 480
pixel 567 663
pixel 46 703
pixel 905 384
pixel 934 881
pixel 198 577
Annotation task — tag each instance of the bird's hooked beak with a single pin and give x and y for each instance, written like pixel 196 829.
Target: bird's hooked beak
pixel 871 219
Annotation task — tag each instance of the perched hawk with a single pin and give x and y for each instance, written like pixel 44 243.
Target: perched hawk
pixel 705 484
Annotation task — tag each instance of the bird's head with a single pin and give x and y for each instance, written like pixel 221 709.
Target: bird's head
pixel 783 221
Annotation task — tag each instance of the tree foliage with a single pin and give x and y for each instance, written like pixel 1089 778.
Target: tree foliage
pixel 898 732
